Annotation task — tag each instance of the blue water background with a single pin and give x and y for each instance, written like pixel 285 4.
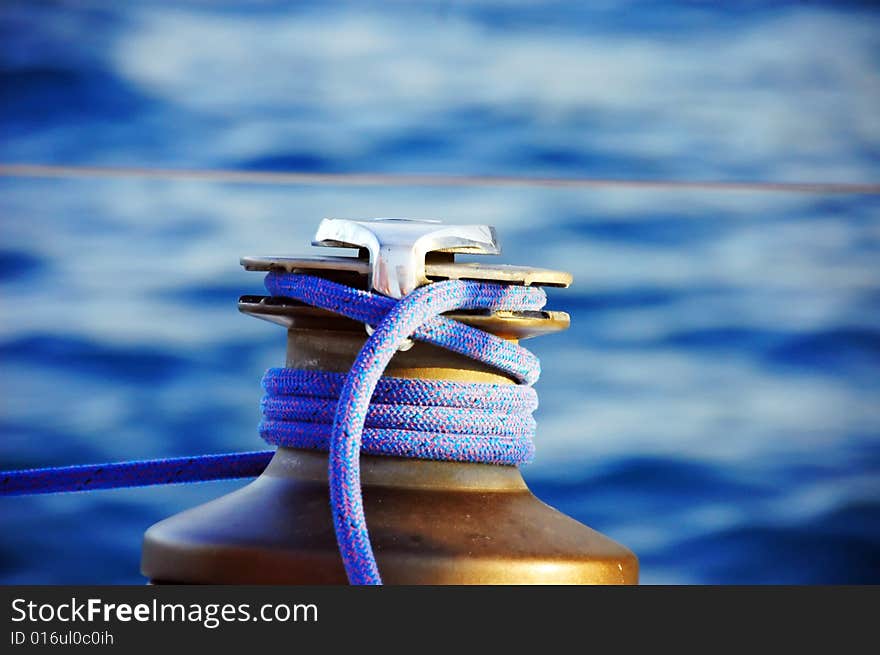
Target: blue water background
pixel 714 405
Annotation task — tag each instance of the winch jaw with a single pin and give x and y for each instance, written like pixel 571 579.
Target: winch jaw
pixel 395 256
pixel 431 522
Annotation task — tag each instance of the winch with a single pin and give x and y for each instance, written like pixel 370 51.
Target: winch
pixel 442 496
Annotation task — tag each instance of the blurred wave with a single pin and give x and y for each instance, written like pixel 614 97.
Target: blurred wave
pixel 716 403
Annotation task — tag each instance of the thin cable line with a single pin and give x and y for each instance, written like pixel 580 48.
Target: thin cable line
pixel 423 179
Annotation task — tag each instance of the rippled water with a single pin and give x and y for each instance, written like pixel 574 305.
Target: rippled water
pixel 715 404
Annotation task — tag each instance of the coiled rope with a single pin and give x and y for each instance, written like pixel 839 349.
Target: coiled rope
pixel 362 411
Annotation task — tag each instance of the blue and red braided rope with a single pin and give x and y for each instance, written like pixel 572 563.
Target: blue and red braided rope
pixel 425 419
pixel 362 411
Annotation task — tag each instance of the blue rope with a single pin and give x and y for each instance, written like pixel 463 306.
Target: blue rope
pixel 140 473
pixel 424 419
pixel 371 308
pixel 362 411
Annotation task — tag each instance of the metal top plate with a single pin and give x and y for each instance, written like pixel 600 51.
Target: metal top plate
pixel 498 273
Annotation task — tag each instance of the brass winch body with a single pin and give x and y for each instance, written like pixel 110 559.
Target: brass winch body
pixel 430 522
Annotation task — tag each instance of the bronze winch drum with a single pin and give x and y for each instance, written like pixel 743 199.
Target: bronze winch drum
pixel 430 522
